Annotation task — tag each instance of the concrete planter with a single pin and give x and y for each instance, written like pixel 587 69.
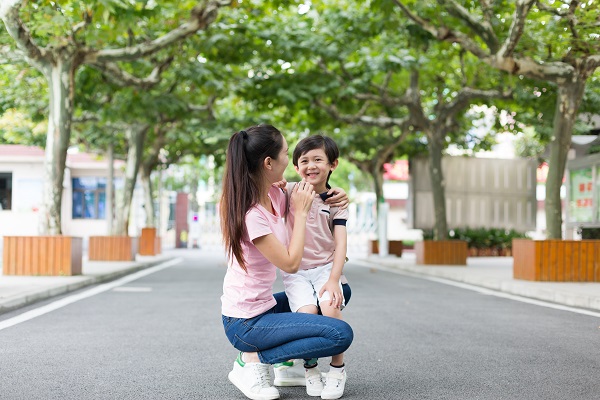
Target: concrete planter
pixel 112 248
pixel 556 260
pixel 42 255
pixel 441 252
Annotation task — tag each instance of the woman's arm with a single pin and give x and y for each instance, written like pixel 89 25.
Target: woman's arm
pixel 288 259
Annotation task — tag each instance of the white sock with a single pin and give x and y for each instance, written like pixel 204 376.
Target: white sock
pixel 337 369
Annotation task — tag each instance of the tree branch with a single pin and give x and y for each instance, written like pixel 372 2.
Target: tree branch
pixel 207 107
pixel 444 33
pixel 483 29
pixel 35 55
pixel 9 56
pixel 123 78
pixel 516 28
pixel 382 122
pixel 466 96
pixel 202 16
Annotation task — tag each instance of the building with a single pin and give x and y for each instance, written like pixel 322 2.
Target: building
pixel 84 192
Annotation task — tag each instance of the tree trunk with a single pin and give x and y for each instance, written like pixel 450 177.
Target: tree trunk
pixel 567 103
pixel 61 88
pixel 194 192
pixel 376 171
pixel 148 196
pixel 135 138
pixel 110 184
pixel 440 230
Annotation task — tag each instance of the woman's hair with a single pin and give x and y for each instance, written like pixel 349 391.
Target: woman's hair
pixel 246 153
pixel 317 142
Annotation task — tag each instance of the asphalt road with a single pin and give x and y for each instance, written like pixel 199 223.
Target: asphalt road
pixel 160 337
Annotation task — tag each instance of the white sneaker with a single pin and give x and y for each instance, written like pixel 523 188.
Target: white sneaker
pixel 289 373
pixel 314 384
pixel 334 385
pixel 253 379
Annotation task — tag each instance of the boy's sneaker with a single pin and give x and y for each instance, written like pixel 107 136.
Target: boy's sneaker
pixel 334 385
pixel 314 384
pixel 253 379
pixel 289 373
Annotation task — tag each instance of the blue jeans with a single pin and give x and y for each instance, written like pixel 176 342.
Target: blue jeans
pixel 279 336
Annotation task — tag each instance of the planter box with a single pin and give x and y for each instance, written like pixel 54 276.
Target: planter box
pixel 150 244
pixel 556 260
pixel 441 252
pixel 42 255
pixel 394 247
pixel 112 248
pixel 489 252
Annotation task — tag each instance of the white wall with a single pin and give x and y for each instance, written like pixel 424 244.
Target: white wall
pixel 27 185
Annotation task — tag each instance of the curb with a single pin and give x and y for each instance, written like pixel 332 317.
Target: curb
pixel 532 290
pixel 16 302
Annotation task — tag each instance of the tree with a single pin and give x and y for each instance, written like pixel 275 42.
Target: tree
pixel 556 43
pixel 60 47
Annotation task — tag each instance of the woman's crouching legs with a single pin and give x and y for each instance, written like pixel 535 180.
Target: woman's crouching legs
pixel 285 336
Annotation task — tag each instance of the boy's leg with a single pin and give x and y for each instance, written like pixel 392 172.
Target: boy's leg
pixel 283 305
pixel 335 379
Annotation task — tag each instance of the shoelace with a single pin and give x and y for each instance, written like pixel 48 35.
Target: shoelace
pixel 313 378
pixel 334 379
pixel 262 373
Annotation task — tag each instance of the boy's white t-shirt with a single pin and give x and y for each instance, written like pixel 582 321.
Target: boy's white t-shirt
pixel 246 295
pixel 319 244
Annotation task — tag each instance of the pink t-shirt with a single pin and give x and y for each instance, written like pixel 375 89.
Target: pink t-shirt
pixel 248 294
pixel 319 244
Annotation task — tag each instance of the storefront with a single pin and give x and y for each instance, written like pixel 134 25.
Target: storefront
pixel 583 193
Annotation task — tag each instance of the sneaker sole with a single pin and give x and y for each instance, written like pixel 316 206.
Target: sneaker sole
pixel 250 395
pixel 315 393
pixel 332 397
pixel 290 382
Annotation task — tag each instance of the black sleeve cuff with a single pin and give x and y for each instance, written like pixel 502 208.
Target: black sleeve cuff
pixel 339 222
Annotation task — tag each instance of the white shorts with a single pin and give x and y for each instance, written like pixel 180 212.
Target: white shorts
pixel 302 288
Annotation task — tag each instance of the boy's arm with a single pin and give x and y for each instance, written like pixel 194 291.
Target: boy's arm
pixel 332 286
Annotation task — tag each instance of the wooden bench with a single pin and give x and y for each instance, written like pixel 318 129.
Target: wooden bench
pixel 441 252
pixel 556 260
pixel 42 255
pixel 112 248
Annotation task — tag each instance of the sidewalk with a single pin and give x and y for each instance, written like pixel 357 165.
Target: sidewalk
pixel 495 273
pixel 19 291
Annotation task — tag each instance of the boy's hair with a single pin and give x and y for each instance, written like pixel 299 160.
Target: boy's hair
pixel 316 142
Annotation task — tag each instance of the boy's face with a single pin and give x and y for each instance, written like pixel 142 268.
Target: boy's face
pixel 315 167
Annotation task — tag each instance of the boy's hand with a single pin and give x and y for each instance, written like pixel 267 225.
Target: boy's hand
pixel 333 287
pixel 280 184
pixel 339 198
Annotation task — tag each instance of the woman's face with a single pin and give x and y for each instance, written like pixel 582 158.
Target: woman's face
pixel 282 161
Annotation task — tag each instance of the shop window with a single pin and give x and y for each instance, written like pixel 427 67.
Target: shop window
pixel 5 191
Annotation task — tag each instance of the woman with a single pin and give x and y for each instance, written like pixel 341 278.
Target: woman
pixel 257 245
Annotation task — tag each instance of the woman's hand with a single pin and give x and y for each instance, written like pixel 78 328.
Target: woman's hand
pixel 302 196
pixel 339 198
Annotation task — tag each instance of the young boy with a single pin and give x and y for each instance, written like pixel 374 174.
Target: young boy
pixel 317 285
